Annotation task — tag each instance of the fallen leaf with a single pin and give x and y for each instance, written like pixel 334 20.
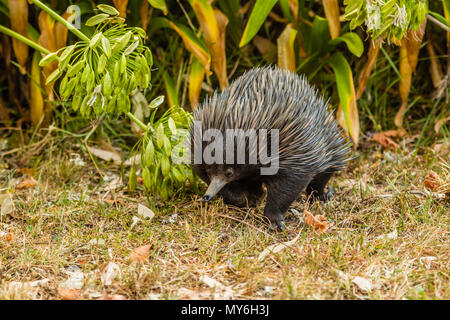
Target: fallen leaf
pixel 109 273
pixel 75 281
pixel 221 291
pixel 106 155
pixel 433 182
pixel 363 283
pixel 140 254
pixel 384 140
pixel 5 236
pixel 27 183
pixel 277 247
pixel 439 123
pixel 318 222
pixel 68 294
pixel 145 212
pixel 6 204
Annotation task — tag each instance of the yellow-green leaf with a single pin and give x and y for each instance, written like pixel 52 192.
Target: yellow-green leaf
pixel 346 92
pixel 37 100
pixel 259 14
pixel 196 77
pixel 172 94
pixel 159 4
pixel 285 48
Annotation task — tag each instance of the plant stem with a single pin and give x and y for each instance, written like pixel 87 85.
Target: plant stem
pixel 138 122
pixel 57 17
pixel 24 39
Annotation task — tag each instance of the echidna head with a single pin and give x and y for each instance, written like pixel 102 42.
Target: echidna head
pixel 220 175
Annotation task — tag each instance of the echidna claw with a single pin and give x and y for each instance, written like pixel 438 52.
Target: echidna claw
pixel 278 225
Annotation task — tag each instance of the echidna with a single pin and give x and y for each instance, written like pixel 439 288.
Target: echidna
pixel 311 147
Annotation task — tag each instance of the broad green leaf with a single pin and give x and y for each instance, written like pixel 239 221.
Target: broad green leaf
pixel 149 153
pixel 95 39
pixel 108 9
pixel 48 58
pixel 97 19
pixel 159 4
pixel 160 136
pixel 319 36
pixel 259 14
pixel 53 76
pixel 132 179
pixel 353 42
pixel 346 92
pixel 155 103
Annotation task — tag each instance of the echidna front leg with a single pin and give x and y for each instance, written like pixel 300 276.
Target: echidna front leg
pixel 242 193
pixel 317 186
pixel 282 190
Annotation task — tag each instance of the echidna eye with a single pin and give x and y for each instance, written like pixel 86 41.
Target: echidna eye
pixel 229 173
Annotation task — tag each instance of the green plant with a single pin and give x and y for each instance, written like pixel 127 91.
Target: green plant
pixel 386 19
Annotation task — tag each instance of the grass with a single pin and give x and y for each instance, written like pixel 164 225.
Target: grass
pixel 387 230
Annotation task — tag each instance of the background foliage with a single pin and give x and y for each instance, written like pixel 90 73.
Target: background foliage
pixel 195 46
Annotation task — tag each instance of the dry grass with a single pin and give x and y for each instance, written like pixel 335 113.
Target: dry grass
pixel 387 230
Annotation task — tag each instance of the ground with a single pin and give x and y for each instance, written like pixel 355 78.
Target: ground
pixel 73 234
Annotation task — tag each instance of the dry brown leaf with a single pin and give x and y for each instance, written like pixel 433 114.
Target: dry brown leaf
pixel 145 212
pixel 266 48
pixel 318 222
pixel 331 8
pixel 18 15
pixel 5 236
pixel 409 55
pixel 221 291
pixel 140 254
pixel 367 69
pixel 213 25
pixel 61 31
pixel 121 6
pixel 6 204
pixel 68 294
pixel 109 273
pixel 439 123
pixel 285 48
pixel 144 15
pixel 384 140
pixel 106 155
pixel 363 283
pixel 433 182
pixel 277 247
pixel 435 67
pixel 27 183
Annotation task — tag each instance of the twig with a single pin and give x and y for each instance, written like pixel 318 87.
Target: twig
pixel 437 22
